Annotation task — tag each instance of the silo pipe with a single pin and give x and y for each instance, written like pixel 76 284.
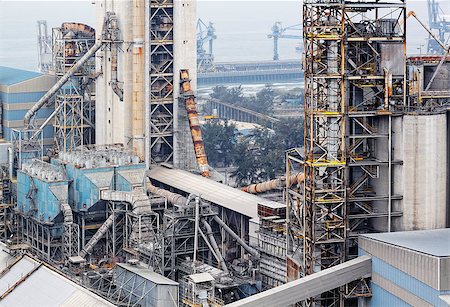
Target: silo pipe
pixel 34 109
pixel 213 242
pixel 241 242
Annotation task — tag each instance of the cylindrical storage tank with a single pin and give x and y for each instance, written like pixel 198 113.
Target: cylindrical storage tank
pixel 424 203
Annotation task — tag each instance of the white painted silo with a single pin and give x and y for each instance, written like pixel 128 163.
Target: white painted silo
pixel 424 178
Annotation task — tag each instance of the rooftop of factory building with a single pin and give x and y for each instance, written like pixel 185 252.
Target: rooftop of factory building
pixel 10 76
pixel 147 274
pixel 27 282
pixel 210 190
pixel 432 242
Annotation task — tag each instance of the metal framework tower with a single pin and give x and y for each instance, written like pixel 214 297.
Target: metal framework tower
pixel 74 104
pixel 161 81
pixel 354 87
pixel 44 47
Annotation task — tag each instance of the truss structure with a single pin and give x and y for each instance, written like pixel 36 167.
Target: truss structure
pixel 71 128
pixel 161 81
pixel 42 239
pixel 74 105
pixel 355 85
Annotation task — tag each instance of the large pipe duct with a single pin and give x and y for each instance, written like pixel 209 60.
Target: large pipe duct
pixel 241 242
pixel 98 235
pixel 34 109
pixel 172 198
pixel 213 242
pixel 191 107
pixel 273 184
pixel 140 204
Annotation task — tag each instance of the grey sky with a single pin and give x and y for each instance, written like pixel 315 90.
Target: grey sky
pixel 242 26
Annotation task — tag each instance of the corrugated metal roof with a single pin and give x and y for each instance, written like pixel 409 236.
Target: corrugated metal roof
pixel 10 76
pixel 147 274
pixel 43 287
pixel 432 242
pixel 210 190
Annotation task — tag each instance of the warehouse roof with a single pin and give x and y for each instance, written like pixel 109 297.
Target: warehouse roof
pixel 210 190
pixel 10 76
pixel 27 282
pixel 432 242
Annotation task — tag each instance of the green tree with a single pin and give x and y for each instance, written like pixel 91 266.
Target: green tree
pixel 289 132
pixel 259 157
pixel 264 99
pixel 220 140
pixel 234 95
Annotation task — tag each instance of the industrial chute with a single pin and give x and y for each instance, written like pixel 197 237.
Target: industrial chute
pixel 187 96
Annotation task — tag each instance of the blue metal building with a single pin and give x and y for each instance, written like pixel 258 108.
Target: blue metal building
pixel 409 268
pixel 19 91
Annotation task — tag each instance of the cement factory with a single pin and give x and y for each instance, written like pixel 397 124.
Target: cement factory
pixel 107 197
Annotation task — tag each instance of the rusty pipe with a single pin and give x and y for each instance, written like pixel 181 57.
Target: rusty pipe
pixel 273 184
pixel 194 124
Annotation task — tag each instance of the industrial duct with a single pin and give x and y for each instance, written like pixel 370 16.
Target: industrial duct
pixel 98 235
pixel 273 184
pixel 67 213
pixel 140 205
pixel 213 242
pixel 172 198
pixel 189 100
pixel 241 242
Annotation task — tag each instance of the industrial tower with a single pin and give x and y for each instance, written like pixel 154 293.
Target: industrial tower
pixel 355 85
pixel 157 40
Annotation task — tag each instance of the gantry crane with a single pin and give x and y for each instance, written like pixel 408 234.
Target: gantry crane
pixel 279 32
pixel 439 23
pixel 206 34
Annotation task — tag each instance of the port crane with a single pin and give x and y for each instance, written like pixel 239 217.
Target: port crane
pixel 438 22
pixel 291 32
pixel 206 34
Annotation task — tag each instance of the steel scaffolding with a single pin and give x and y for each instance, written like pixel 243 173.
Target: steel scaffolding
pixel 161 59
pixel 355 85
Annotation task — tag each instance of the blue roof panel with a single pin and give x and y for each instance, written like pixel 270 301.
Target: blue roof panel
pixel 10 76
